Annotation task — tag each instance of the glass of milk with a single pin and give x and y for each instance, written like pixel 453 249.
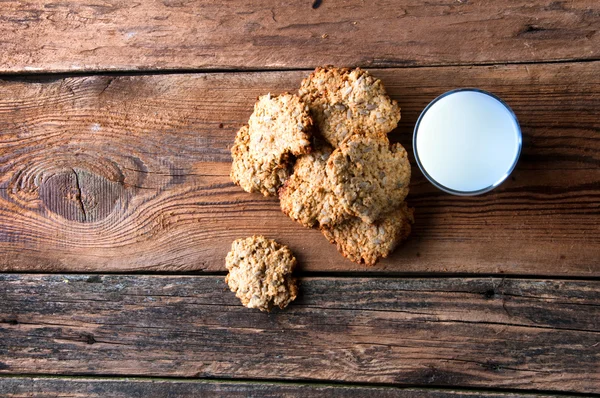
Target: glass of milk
pixel 467 141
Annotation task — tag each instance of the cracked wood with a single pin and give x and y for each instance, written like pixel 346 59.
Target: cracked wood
pixel 464 332
pixel 128 173
pixel 51 36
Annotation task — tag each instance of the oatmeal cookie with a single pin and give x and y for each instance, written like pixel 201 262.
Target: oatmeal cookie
pixel 306 196
pixel 260 273
pixel 279 127
pixel 366 243
pixel 369 176
pixel 342 101
pixel 256 173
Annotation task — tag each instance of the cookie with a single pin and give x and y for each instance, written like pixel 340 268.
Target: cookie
pixel 369 176
pixel 255 173
pixel 260 273
pixel 366 243
pixel 306 197
pixel 342 101
pixel 262 153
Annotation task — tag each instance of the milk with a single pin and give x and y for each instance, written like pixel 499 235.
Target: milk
pixel 467 142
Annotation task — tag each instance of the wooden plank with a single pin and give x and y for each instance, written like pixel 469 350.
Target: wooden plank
pixel 127 173
pixel 50 35
pixel 44 387
pixel 486 333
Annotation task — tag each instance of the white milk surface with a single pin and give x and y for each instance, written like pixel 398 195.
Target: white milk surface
pixel 468 141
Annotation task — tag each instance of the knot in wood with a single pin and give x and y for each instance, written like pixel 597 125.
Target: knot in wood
pixel 80 195
pixel 81 189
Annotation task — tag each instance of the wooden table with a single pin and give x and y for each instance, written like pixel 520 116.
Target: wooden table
pixel 116 209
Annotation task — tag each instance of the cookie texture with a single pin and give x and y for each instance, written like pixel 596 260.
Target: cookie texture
pixel 369 175
pixel 306 196
pixel 343 101
pixel 279 127
pixel 256 173
pixel 260 273
pixel 366 243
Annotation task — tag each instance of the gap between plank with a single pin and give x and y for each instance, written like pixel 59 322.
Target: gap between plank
pixel 51 76
pixel 326 274
pixel 297 382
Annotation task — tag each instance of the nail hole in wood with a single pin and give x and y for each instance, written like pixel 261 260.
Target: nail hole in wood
pixel 88 338
pixel 94 279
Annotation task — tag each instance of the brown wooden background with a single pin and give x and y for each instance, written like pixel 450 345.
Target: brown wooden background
pixel 116 209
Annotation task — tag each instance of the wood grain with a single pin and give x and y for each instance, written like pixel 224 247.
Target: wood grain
pixel 129 173
pixel 487 333
pixel 76 35
pixel 40 387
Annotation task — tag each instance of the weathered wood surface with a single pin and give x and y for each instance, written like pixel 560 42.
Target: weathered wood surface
pixel 107 173
pixel 488 333
pixel 73 35
pixel 28 387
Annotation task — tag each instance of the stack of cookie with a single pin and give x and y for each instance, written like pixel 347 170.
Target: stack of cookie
pixel 327 155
